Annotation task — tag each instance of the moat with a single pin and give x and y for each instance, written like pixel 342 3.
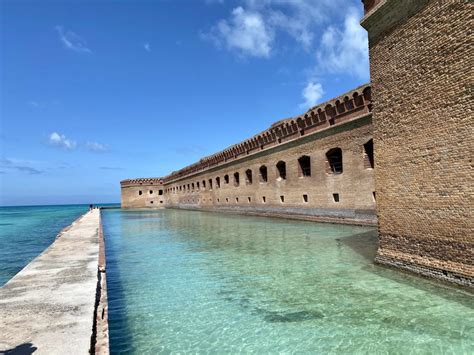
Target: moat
pixel 182 281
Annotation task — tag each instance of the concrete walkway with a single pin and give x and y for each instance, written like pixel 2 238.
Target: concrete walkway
pixel 49 305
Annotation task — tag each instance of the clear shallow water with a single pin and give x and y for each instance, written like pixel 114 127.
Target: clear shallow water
pixel 182 281
pixel 25 231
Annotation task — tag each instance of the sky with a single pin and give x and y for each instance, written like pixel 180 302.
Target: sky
pixel 94 92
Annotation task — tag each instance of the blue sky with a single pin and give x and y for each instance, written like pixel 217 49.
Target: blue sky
pixel 93 92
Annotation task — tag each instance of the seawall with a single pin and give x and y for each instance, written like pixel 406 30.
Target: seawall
pixel 58 303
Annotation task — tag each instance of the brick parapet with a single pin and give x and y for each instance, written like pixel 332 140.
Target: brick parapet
pixel 141 181
pixel 382 16
pixel 369 5
pixel 341 109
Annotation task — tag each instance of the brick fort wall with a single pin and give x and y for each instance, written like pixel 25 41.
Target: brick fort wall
pixel 317 166
pixel 421 58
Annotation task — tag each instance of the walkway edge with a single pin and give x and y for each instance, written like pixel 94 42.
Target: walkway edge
pixel 100 333
pixel 57 304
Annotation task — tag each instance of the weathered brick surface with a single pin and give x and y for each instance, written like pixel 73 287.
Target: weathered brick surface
pixel 354 185
pixel 142 193
pixel 422 80
pixel 343 124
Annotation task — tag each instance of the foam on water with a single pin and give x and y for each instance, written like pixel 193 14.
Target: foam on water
pixel 182 281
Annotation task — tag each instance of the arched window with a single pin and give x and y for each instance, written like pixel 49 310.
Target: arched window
pixel 304 166
pixel 226 179
pixel 236 179
pixel 210 184
pixel 369 154
pixel 248 176
pixel 281 168
pixel 140 192
pixel 192 186
pixel 151 192
pixel 203 184
pixel 263 173
pixel 218 182
pixel 334 161
pixel 160 192
pixel 197 185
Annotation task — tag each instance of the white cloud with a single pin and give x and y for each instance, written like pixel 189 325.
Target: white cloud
pixel 312 93
pixel 245 32
pixel 72 41
pixel 60 140
pixel 97 147
pixel 252 28
pixel 328 28
pixel 345 50
pixel 147 47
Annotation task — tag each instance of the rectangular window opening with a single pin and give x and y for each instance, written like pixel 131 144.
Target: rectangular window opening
pixel 304 166
pixel 335 197
pixel 305 198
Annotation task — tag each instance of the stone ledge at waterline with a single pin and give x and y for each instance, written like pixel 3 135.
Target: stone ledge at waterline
pixel 50 306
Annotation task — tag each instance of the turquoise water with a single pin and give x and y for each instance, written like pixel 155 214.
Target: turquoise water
pixel 182 282
pixel 28 230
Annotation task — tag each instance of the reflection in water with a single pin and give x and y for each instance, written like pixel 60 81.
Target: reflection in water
pixel 190 281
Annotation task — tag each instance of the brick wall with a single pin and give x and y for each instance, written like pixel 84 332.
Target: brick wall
pixel 422 79
pixel 142 193
pixel 306 197
pixel 341 126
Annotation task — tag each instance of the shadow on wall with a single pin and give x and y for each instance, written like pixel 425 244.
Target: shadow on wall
pixel 23 349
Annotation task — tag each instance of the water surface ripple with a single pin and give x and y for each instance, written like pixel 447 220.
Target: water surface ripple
pixel 182 281
pixel 25 231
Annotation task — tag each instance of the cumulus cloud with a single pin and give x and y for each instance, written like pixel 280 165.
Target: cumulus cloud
pixel 72 40
pixel 97 147
pixel 312 93
pixel 252 28
pixel 345 50
pixel 329 29
pixel 59 140
pixel 245 32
